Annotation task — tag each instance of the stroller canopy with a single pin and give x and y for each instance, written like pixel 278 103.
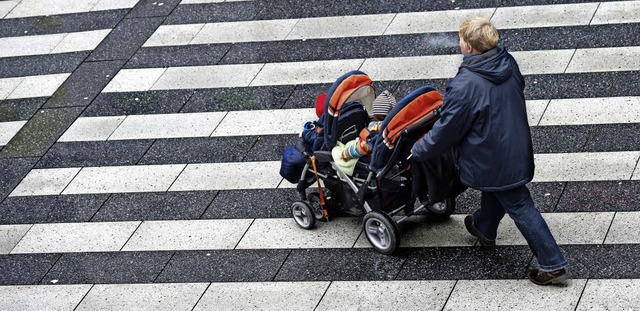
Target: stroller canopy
pixel 414 114
pixel 352 87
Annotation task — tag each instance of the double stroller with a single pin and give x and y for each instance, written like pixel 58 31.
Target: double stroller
pixel 384 186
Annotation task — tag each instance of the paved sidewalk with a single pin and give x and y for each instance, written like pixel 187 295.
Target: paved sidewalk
pixel 140 144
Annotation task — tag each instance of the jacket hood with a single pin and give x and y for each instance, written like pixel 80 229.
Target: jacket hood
pixel 493 65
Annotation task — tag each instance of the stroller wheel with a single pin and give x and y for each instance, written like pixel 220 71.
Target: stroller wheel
pixel 303 214
pixel 382 232
pixel 440 211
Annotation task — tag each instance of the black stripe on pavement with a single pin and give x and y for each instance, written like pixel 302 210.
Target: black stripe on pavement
pixel 60 23
pixel 20 109
pixel 22 66
pixel 611 261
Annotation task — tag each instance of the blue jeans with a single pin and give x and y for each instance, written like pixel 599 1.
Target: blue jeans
pixel 520 207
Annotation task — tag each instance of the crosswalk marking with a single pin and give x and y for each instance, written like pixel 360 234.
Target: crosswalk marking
pixel 51 44
pixel 8 130
pixel 27 8
pixel 576 228
pixel 380 69
pixel 31 86
pixel 584 166
pixel 392 24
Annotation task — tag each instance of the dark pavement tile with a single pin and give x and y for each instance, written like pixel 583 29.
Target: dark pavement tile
pixel 271 147
pixel 560 139
pixel 84 84
pixel 260 203
pixel 125 39
pixel 304 96
pixel 339 265
pixel 569 85
pixel 223 266
pixel 614 261
pixel 213 12
pixel 627 84
pixel 241 98
pixel 25 269
pixel 12 171
pixel 42 131
pixel 577 37
pixel 274 52
pixel 107 268
pixel 151 8
pixel 16 27
pixel 94 153
pixel 20 109
pixel 135 103
pixel 76 22
pixel 22 66
pixel 155 206
pixel 600 196
pixel 176 56
pixel 469 263
pixel 50 209
pixel 198 150
pixel 613 137
pixel 406 87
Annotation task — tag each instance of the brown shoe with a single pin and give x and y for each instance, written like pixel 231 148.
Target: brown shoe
pixel 468 223
pixel 546 278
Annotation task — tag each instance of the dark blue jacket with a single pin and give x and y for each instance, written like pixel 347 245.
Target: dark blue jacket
pixel 485 119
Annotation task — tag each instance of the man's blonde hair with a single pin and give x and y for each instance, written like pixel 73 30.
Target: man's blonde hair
pixel 479 33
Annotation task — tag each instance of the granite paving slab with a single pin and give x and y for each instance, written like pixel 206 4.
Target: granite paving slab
pixel 155 206
pixel 50 297
pixel 50 208
pixel 151 102
pixel 25 269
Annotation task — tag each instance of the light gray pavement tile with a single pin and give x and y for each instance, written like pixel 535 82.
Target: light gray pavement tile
pixel 304 72
pixel 10 235
pixel 435 21
pixel 122 179
pixel 76 237
pixel 38 86
pixel 272 122
pixel 610 295
pixel 104 5
pixel 229 176
pixel 7 85
pixel 262 296
pixel 8 130
pixel 605 59
pixel 535 110
pixel 544 15
pixel 6 7
pixel 167 296
pixel 152 126
pixel 587 166
pixel 92 129
pixel 543 62
pixel 513 295
pixel 417 232
pixel 285 233
pixel 129 80
pixel 412 68
pixel 624 229
pixel 341 26
pixel 81 41
pixel 49 181
pixel 636 174
pixel 29 45
pixel 567 228
pixel 51 7
pixel 194 77
pixel 42 297
pixel 389 295
pixel 245 31
pixel 167 35
pixel 577 111
pixel 617 13
pixel 188 235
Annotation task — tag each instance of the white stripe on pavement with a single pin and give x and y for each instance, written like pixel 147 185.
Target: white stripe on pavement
pixel 8 130
pixel 31 86
pixel 52 43
pixel 27 8
pixel 554 15
pixel 550 167
pixel 380 69
pixel 583 228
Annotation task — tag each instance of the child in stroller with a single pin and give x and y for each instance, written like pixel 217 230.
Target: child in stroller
pixel 386 183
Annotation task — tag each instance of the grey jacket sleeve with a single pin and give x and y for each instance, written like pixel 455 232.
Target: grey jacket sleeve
pixel 456 119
